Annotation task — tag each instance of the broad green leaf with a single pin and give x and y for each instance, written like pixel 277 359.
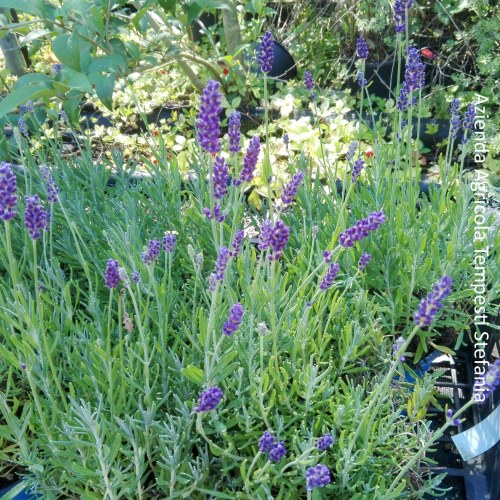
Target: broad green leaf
pixel 104 86
pixel 67 49
pixel 35 35
pixel 33 78
pixel 167 5
pixel 194 374
pixel 21 95
pixel 35 7
pixel 79 81
pixel 108 64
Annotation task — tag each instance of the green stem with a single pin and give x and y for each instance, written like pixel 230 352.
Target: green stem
pixel 13 273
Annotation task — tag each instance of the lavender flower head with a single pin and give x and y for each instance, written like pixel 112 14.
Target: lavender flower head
pixel 266 52
pixel 351 150
pixel 415 70
pixel 249 162
pixel 450 414
pixel 324 442
pixel 23 127
pixel 279 239
pixel 286 140
pixel 404 100
pixel 136 277
pixel 112 274
pixel 236 245
pixel 455 120
pixel 266 442
pixel 234 132
pixel 357 169
pixel 266 231
pixel 35 217
pixel 151 254
pixel 400 9
pixel 208 123
pixel 364 260
pixel 209 399
pixel 329 277
pixel 277 452
pixel 235 318
pixel 486 384
pixel 361 229
pixel 429 307
pixel 318 477
pixel 308 80
pixel 221 172
pixel 291 189
pixel 362 81
pixel 361 48
pixel 8 192
pixel 52 187
pixel 397 346
pixel 222 261
pixel 168 242
pixel 470 116
pixel 217 214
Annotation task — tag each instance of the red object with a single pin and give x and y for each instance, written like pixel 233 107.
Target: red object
pixel 369 153
pixel 225 71
pixel 155 161
pixel 427 53
pixel 155 132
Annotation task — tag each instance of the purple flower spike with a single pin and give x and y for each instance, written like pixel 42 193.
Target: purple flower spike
pixel 8 192
pixel 221 172
pixel 450 414
pixel 318 477
pixel 400 9
pixel 209 399
pixel 279 239
pixel 35 217
pixel 23 127
pixel 397 346
pixel 52 187
pixel 308 80
pixel 485 385
pixel 168 242
pixel 325 442
pixel 136 277
pixel 455 120
pixel 234 132
pixel 236 245
pixel 221 264
pixel 112 275
pixel 357 169
pixel 277 452
pixel 362 81
pixel 249 162
pixel 266 231
pixel 469 118
pixel 235 318
pixel 266 442
pixel 361 48
pixel 415 70
pixel 266 53
pixel 286 140
pixel 351 150
pixel 208 119
pixel 151 254
pixel 291 189
pixel 329 277
pixel 364 260
pixel 429 307
pixel 361 229
pixel 218 214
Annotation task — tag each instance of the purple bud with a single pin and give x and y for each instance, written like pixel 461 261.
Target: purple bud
pixel 234 132
pixel 362 48
pixel 209 399
pixel 291 189
pixel 250 161
pixel 277 452
pixel 329 277
pixel 397 346
pixel 236 245
pixel 136 277
pixel 208 123
pixel 318 477
pixel 357 169
pixel 221 172
pixel 308 80
pixel 221 264
pixel 364 260
pixel 35 217
pixel 266 52
pixel 112 274
pixel 235 318
pixel 266 442
pixel 429 307
pixel 168 242
pixel 8 192
pixel 266 231
pixel 151 254
pixel 279 239
pixel 324 442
